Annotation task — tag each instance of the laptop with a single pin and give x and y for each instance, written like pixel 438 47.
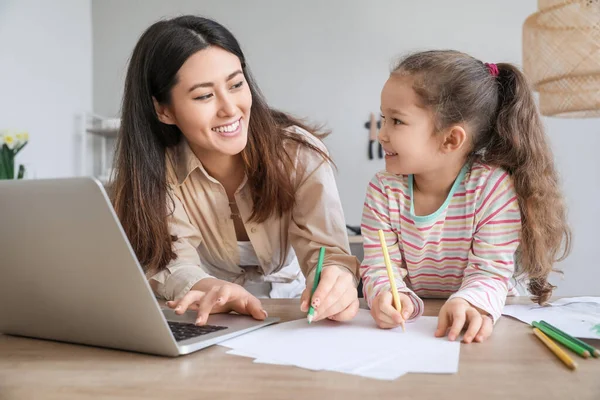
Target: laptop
pixel 68 273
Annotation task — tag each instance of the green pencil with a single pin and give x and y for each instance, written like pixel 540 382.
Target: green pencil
pixel 595 352
pixel 311 310
pixel 574 347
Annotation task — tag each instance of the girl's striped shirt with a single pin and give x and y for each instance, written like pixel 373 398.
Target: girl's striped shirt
pixel 465 249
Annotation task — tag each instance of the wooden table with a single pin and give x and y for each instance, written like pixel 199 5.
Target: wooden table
pixel 512 365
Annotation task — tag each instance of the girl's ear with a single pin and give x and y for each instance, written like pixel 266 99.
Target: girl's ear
pixel 454 139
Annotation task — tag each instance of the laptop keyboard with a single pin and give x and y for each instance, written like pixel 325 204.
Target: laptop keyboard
pixel 183 330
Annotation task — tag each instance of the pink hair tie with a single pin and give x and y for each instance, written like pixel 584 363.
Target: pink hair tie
pixel 493 68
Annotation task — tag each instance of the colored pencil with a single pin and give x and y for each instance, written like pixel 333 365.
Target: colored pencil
pixel 574 347
pixel 311 310
pixel 390 272
pixel 558 352
pixel 593 351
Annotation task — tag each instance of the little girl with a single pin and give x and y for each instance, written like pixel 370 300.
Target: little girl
pixel 469 199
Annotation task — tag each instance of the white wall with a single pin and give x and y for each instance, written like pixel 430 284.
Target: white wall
pixel 575 144
pixel 45 78
pixel 327 60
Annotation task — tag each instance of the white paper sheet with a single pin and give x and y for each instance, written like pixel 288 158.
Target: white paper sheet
pixel 577 316
pixel 357 347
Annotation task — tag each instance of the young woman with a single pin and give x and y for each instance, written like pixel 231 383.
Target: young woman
pixel 219 194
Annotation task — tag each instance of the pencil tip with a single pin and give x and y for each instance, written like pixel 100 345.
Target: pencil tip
pixel 309 318
pixel 573 366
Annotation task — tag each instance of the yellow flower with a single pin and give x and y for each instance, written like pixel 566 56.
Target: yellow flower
pixel 22 138
pixel 9 140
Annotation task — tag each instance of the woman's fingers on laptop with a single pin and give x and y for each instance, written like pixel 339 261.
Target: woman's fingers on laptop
pixel 195 299
pixel 220 297
pixel 233 297
pixel 180 306
pixel 173 304
pixel 250 305
pixel 224 294
pixel 206 304
pixel 192 299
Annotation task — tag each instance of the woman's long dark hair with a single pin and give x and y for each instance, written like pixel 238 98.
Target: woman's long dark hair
pixel 139 188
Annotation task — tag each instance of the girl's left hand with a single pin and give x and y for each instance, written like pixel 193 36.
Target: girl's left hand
pixel 336 296
pixel 458 313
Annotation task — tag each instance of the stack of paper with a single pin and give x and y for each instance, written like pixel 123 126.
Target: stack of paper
pixel 357 347
pixel 577 316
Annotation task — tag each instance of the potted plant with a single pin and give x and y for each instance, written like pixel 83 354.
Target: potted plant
pixel 11 143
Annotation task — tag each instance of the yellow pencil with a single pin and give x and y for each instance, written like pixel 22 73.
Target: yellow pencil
pixel 390 272
pixel 560 353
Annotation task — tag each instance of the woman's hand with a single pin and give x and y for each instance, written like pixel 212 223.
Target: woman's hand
pixel 336 296
pixel 212 296
pixel 458 313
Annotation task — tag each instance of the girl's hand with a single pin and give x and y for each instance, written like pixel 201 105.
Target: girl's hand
pixel 458 313
pixel 336 296
pixel 212 296
pixel 385 314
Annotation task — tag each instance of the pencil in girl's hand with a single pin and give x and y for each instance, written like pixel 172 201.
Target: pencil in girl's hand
pixel 390 272
pixel 560 353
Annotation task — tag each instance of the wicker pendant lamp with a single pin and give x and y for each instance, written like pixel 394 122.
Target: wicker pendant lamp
pixel 561 56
